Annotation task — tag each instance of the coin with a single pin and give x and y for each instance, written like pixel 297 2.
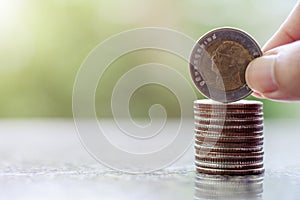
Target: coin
pixel 224 155
pixel 244 104
pixel 208 143
pixel 228 134
pixel 231 160
pixel 230 171
pixel 223 165
pixel 218 63
pixel 212 115
pixel 236 129
pixel 228 122
pixel 229 139
pixel 205 149
pixel 226 111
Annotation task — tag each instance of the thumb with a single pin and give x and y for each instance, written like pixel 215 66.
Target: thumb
pixel 276 75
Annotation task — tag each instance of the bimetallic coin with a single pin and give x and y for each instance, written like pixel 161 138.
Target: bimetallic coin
pixel 228 156
pixel 223 165
pixel 203 148
pixel 227 111
pixel 229 122
pixel 229 139
pixel 231 160
pixel 238 129
pixel 230 171
pixel 208 143
pixel 218 63
pixel 224 116
pixel 228 134
pixel 242 104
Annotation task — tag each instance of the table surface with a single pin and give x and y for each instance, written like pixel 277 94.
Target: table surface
pixel 44 159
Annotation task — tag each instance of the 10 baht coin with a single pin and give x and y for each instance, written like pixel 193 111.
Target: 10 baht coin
pixel 218 63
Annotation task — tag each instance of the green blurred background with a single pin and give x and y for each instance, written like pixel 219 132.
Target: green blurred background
pixel 43 43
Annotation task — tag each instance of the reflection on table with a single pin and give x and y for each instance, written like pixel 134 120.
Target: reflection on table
pixel 228 187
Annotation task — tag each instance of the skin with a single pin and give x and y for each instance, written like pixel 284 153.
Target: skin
pixel 276 75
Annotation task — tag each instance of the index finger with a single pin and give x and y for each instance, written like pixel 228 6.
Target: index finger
pixel 288 32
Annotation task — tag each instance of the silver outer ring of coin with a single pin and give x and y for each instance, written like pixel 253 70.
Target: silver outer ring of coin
pixel 226 160
pixel 226 112
pixel 228 134
pixel 244 103
pixel 216 126
pixel 233 155
pixel 229 142
pixel 228 150
pixel 229 164
pixel 257 120
pixel 232 171
pixel 206 40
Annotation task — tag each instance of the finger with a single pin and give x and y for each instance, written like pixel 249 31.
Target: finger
pixel 288 32
pixel 276 75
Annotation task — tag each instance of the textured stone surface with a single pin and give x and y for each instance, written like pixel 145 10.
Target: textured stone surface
pixel 43 159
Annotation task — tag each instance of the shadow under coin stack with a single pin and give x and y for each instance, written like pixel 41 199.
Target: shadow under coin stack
pixel 229 137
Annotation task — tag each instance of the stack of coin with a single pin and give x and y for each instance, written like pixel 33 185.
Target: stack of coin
pixel 229 137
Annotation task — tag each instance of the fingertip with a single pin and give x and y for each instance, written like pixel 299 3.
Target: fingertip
pixel 276 74
pixel 260 75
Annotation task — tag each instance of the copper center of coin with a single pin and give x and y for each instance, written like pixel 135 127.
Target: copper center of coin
pixel 229 60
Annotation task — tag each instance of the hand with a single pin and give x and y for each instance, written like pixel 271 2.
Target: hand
pixel 276 75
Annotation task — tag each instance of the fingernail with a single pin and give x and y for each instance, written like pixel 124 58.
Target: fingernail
pixel 260 74
pixel 257 95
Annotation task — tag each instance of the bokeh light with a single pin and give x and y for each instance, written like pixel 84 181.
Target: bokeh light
pixel 43 43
